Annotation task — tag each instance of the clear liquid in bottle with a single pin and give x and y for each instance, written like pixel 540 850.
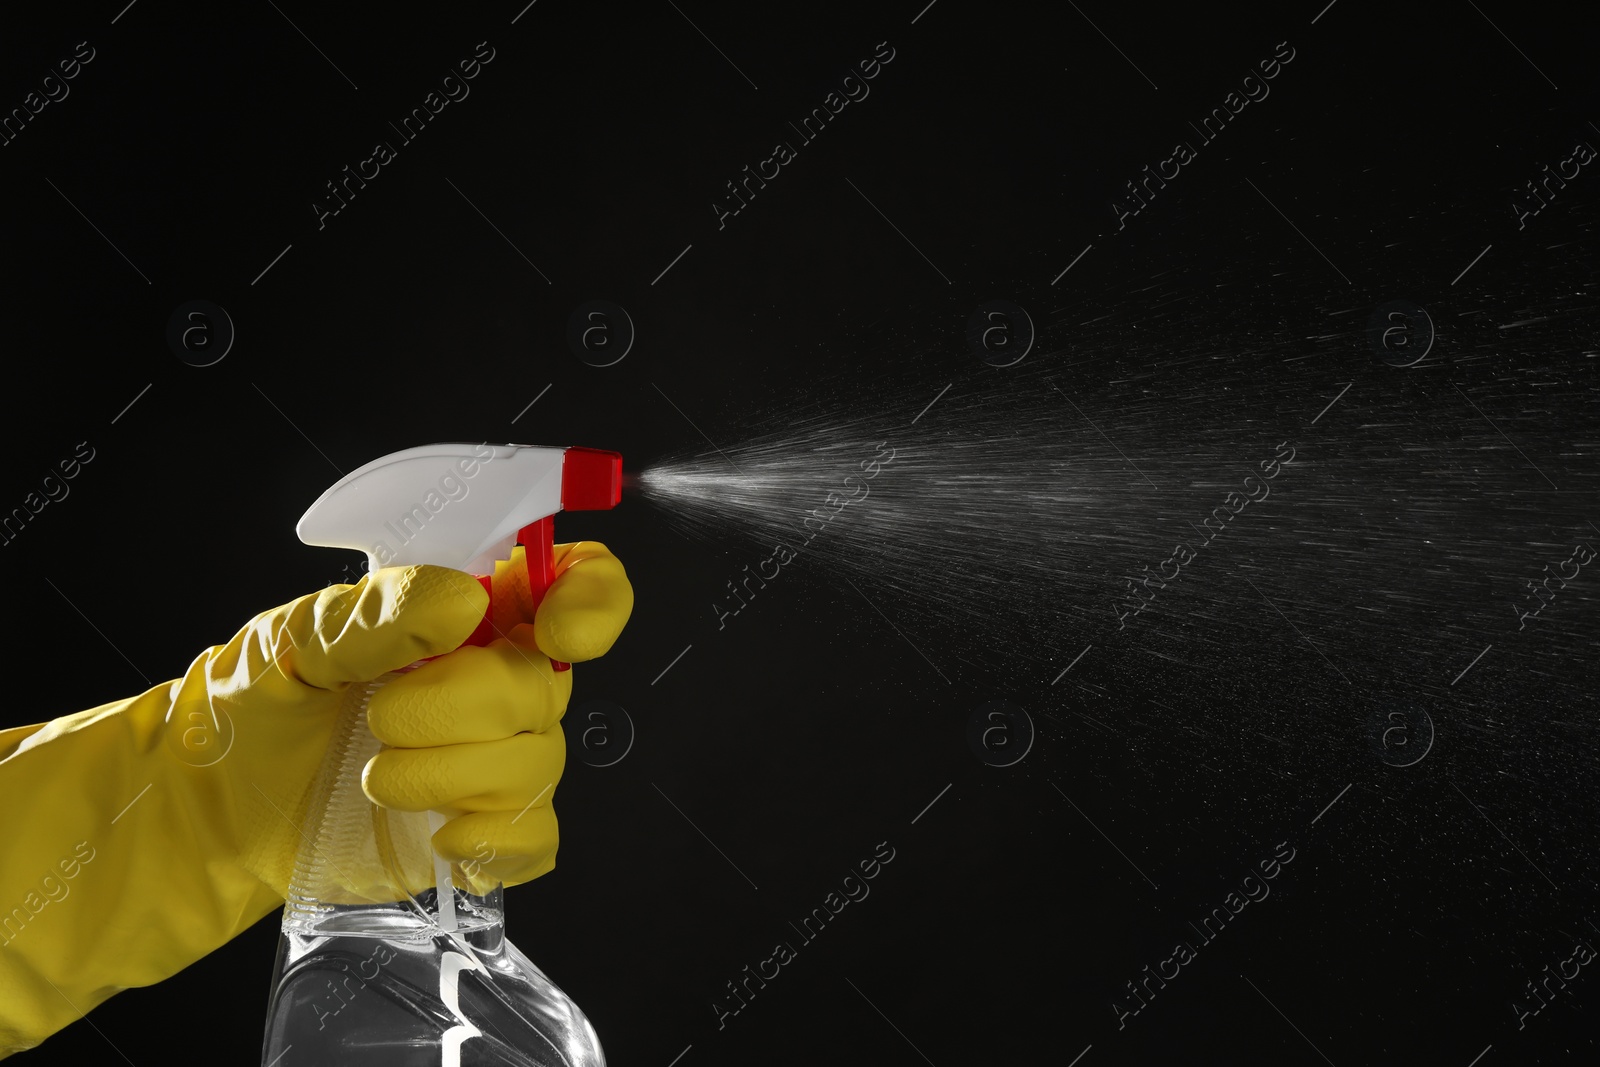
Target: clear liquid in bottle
pixel 387 958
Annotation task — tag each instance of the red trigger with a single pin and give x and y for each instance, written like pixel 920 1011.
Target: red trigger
pixel 538 541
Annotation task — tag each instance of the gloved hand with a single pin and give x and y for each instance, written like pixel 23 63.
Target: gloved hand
pixel 477 735
pixel 163 825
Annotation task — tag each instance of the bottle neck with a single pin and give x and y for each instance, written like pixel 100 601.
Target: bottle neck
pixel 366 869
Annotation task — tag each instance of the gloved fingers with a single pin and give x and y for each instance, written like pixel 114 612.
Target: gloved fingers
pixel 472 695
pixel 500 846
pixel 507 774
pixel 587 605
pixel 391 617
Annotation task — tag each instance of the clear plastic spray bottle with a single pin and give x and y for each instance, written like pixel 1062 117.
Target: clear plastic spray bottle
pixel 387 957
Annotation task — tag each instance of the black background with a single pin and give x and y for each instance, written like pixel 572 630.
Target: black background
pixel 798 739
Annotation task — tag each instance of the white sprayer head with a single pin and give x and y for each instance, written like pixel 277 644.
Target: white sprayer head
pixel 452 505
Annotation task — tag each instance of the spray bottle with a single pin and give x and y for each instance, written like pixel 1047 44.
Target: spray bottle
pixel 386 956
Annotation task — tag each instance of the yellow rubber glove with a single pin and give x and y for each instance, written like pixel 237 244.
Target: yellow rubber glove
pixel 476 735
pixel 156 828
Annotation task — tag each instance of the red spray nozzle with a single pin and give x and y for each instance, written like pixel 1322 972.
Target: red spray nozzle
pixel 591 479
